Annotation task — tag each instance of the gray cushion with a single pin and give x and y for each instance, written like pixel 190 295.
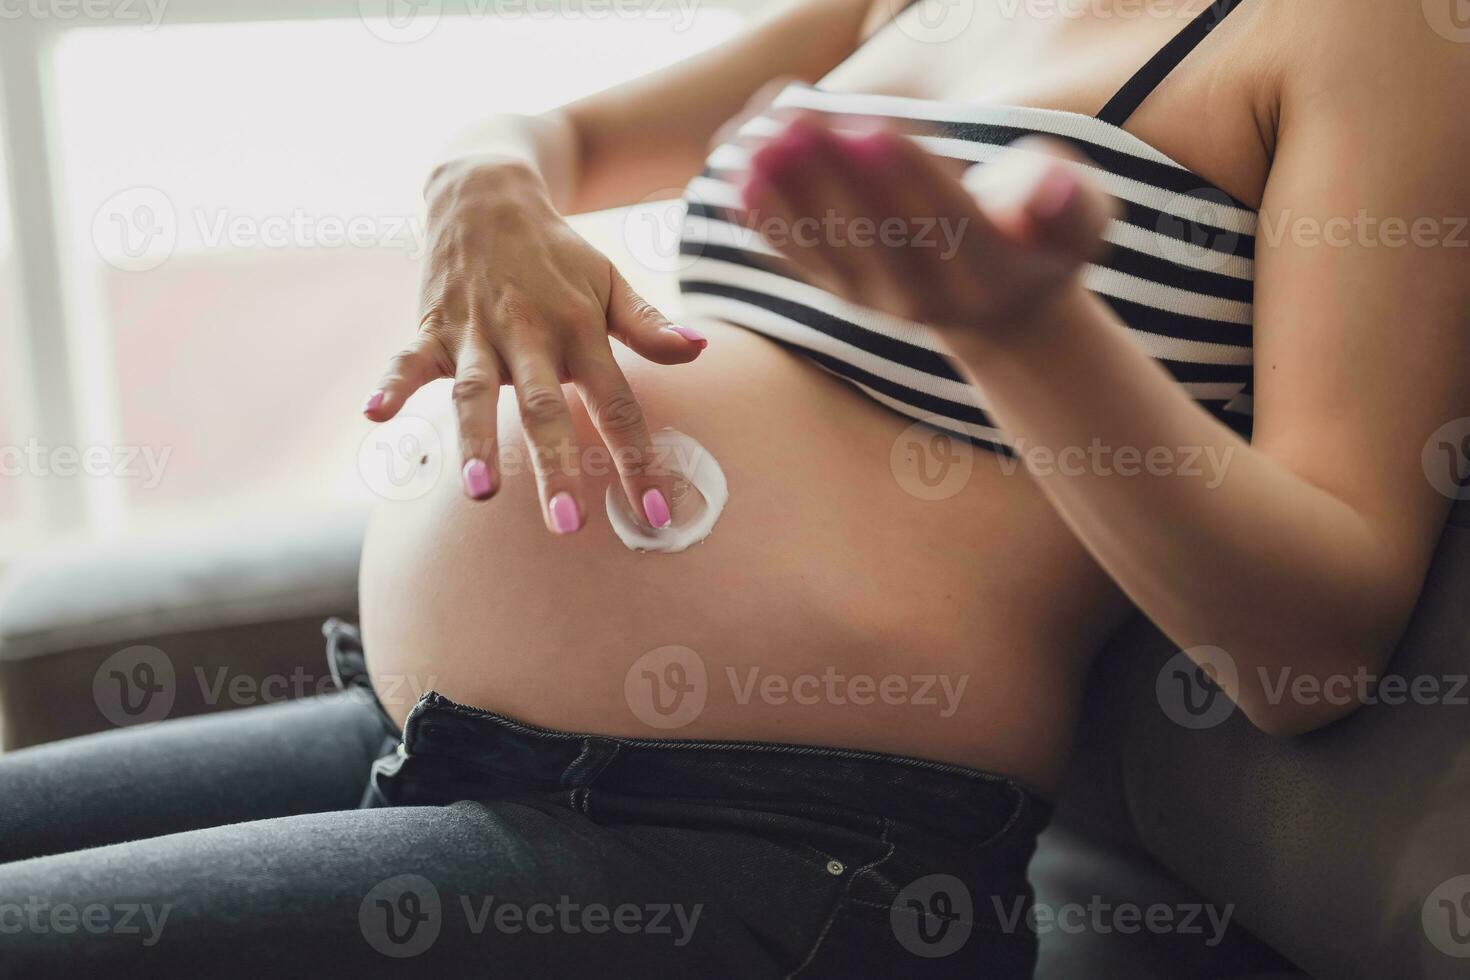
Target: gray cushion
pixel 225 574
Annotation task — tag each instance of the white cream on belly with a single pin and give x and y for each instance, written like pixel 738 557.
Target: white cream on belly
pixel 693 520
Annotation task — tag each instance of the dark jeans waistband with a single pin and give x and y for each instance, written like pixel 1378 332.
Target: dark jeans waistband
pixel 937 796
pixel 477 751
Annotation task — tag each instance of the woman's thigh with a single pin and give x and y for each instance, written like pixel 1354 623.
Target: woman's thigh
pixel 516 889
pixel 254 763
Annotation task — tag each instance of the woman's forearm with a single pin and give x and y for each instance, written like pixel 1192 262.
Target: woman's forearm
pixel 547 143
pixel 646 137
pixel 1219 544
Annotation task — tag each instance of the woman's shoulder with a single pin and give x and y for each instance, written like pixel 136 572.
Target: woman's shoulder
pixel 1415 50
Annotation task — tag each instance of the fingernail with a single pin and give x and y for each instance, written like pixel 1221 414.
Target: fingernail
pixel 373 401
pixel 1055 192
pixel 656 508
pixel 690 334
pixel 564 515
pixel 478 482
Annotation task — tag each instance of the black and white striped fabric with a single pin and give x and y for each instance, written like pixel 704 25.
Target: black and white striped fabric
pixel 1179 273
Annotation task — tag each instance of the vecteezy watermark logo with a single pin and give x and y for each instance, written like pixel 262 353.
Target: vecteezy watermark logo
pixel 1450 19
pixel 1207 464
pixel 1446 459
pixel 404 915
pixel 135 686
pixel 401 916
pixel 136 230
pixel 1105 918
pixel 667 687
pixel 148 14
pixel 571 917
pixel 400 21
pixel 407 21
pixel 1190 687
pixel 402 458
pixel 39 916
pixel 1363 229
pixel 146 464
pixel 1100 9
pixel 931 464
pixel 940 693
pixel 1193 230
pixel 139 229
pixel 932 21
pixel 1446 917
pixel 933 916
pixel 653 230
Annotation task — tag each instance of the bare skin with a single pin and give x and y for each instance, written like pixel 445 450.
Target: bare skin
pixel 1308 557
pixel 806 570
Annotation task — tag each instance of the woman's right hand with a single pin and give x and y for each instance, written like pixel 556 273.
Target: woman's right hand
pixel 512 295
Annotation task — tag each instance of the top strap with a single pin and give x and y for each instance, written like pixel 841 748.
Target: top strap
pixel 1147 78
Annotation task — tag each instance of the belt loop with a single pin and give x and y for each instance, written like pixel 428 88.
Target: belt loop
pixel 348 664
pixel 596 753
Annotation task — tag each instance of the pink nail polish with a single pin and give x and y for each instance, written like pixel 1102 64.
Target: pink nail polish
pixel 1055 193
pixel 656 509
pixel 565 518
pixel 691 335
pixel 478 481
pixel 373 401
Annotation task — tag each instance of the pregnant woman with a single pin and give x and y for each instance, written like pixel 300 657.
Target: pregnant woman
pixel 1176 346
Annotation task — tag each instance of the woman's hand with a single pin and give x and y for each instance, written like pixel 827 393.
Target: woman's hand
pixel 979 262
pixel 512 295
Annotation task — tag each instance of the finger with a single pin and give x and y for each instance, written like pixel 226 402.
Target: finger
pixel 1028 233
pixel 476 394
pixel 548 425
pixel 619 420
pixel 918 182
pixel 942 221
pixel 1066 211
pixel 932 218
pixel 781 224
pixel 422 361
pixel 646 331
pixel 929 184
pixel 871 239
pixel 791 222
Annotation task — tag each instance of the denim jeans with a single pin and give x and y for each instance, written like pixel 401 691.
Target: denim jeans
pixel 306 839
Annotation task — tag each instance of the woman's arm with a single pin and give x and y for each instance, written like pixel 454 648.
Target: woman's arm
pixel 651 134
pixel 512 295
pixel 1307 557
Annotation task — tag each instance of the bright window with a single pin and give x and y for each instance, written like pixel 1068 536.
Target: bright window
pixel 12 394
pixel 241 217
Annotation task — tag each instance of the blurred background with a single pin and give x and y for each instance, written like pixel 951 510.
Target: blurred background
pixel 210 230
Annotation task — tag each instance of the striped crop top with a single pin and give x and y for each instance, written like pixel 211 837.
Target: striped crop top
pixel 1178 273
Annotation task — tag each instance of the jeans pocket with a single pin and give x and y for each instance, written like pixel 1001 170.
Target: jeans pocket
pixel 784 877
pixel 929 909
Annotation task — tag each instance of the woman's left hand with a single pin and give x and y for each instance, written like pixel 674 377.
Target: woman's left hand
pixel 881 222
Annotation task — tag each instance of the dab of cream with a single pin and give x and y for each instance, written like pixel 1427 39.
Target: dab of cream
pixel 689 460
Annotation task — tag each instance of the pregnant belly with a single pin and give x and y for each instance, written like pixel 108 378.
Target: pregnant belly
pixel 866 586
